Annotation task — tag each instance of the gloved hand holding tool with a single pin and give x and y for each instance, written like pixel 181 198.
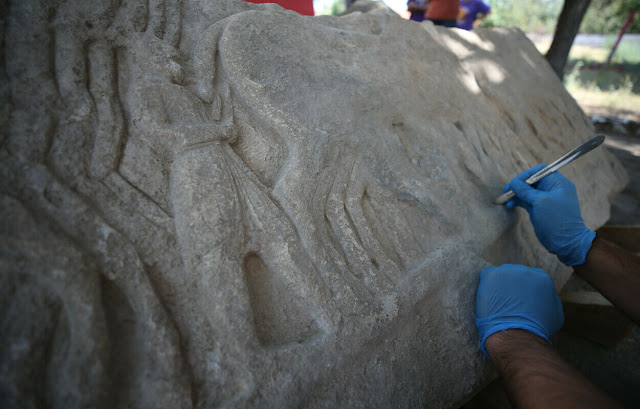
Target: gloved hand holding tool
pixel 554 211
pixel 552 203
pixel 517 309
pixel 519 297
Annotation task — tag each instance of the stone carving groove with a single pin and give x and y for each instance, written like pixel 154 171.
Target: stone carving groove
pixel 218 204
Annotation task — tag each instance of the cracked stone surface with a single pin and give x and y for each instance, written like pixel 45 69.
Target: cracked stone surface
pixel 218 204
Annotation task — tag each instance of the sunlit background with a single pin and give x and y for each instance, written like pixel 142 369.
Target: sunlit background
pixel 599 87
pixel 322 6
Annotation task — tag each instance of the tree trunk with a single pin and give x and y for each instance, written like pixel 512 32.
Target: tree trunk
pixel 566 30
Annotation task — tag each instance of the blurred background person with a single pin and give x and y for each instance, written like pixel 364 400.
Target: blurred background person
pixel 417 9
pixel 472 12
pixel 443 12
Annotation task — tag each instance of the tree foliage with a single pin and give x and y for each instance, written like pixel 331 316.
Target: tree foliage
pixel 603 16
pixel 608 16
pixel 528 15
pixel 332 8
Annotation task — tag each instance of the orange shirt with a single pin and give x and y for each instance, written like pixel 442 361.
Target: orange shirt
pixel 304 7
pixel 443 9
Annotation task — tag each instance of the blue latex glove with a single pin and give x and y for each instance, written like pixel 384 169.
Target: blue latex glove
pixel 554 211
pixel 513 296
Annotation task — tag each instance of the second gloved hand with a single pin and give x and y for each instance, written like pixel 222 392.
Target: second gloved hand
pixel 513 296
pixel 554 211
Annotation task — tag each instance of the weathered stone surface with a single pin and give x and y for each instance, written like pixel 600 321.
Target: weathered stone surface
pixel 216 204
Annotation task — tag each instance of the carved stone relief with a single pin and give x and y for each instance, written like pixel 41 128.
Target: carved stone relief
pixel 218 204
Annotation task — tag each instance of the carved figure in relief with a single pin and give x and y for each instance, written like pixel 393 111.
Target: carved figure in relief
pixel 81 257
pixel 230 230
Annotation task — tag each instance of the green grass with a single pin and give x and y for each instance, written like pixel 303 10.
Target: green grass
pixel 600 88
pixel 587 68
pixel 627 53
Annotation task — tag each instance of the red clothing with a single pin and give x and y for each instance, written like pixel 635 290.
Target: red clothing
pixel 304 7
pixel 443 10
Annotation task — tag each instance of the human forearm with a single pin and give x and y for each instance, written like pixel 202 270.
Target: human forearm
pixel 615 273
pixel 537 377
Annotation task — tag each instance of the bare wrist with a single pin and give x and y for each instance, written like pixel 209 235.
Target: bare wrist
pixel 512 342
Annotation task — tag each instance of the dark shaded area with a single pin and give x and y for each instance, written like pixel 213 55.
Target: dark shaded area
pixel 615 370
pixel 121 325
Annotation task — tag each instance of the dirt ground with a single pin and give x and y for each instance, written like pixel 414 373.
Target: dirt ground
pixel 592 106
pixel 625 207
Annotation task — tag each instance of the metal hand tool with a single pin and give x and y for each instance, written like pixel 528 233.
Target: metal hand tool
pixel 569 157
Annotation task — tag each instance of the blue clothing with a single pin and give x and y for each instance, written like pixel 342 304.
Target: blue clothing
pixel 417 15
pixel 469 11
